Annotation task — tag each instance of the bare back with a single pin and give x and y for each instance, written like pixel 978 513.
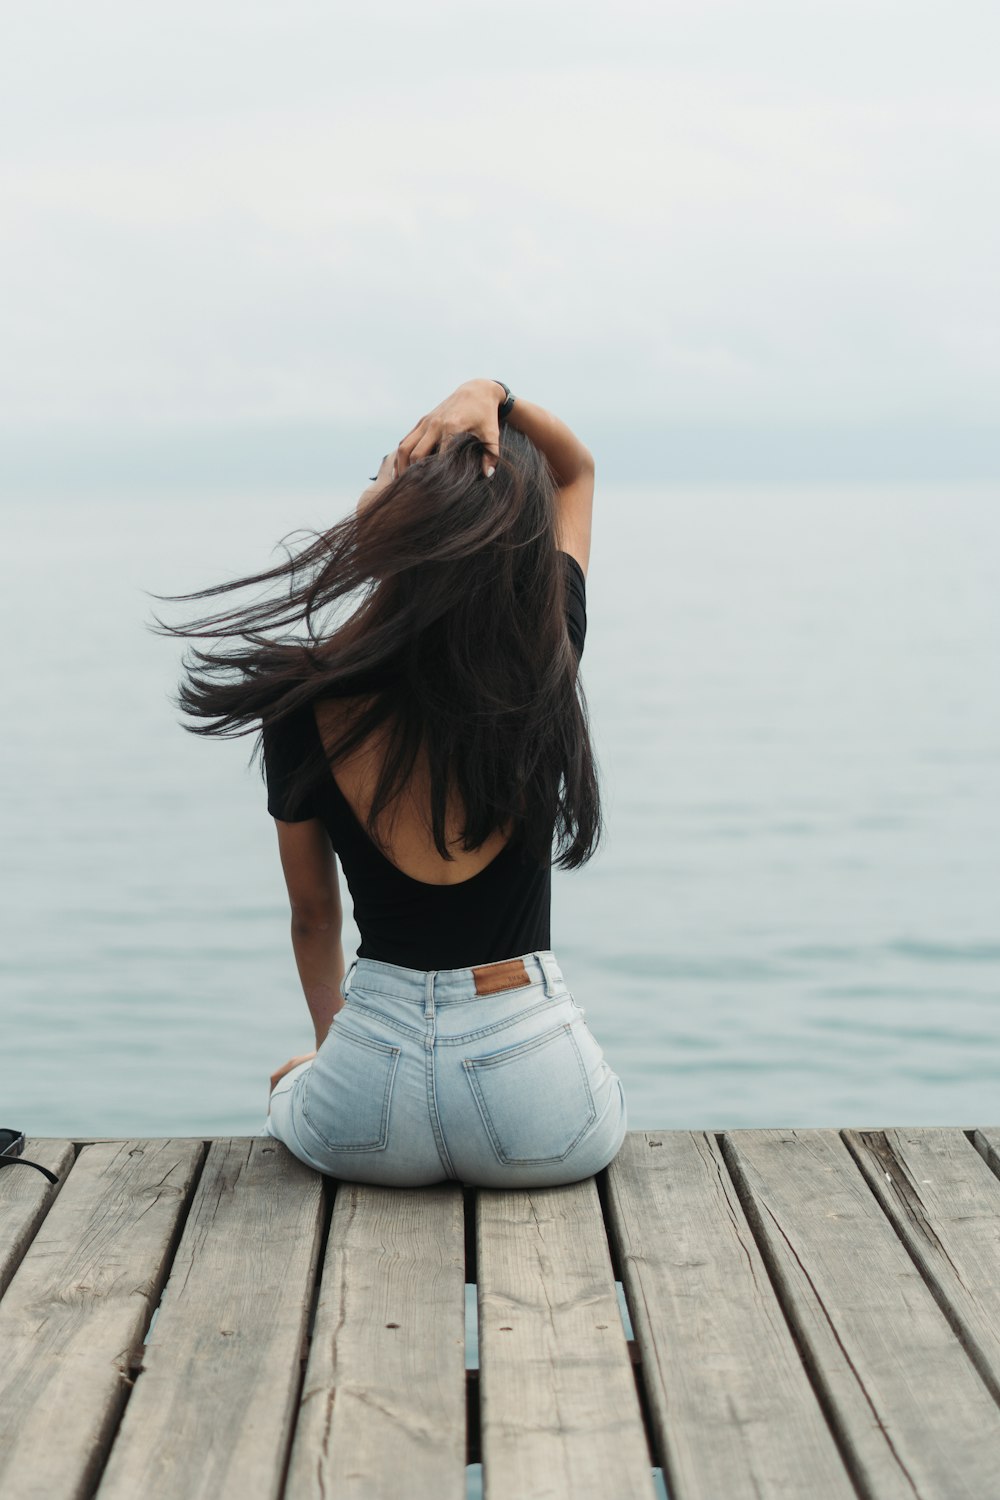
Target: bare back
pixel 406 830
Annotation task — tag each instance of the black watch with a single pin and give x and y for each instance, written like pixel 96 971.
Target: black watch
pixel 508 402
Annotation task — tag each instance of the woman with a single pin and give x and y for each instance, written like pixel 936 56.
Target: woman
pixel 437 739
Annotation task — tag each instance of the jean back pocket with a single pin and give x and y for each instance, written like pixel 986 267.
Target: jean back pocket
pixel 535 1098
pixel 348 1091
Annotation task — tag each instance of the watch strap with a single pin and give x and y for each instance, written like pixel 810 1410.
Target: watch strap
pixel 506 405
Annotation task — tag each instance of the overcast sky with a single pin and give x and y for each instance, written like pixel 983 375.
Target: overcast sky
pixel 718 238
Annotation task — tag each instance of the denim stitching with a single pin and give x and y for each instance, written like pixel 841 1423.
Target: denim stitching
pixel 472 1036
pixel 367 987
pixel 382 1142
pixel 471 1064
pixel 616 1097
pixel 298 1149
pixel 530 1044
pixel 373 989
pixel 534 984
pixel 466 1036
pixel 379 1015
pixel 366 1041
pixel 431 1079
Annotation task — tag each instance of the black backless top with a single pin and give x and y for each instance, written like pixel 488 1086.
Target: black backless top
pixel 501 912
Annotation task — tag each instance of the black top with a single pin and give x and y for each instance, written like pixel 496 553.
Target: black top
pixel 501 912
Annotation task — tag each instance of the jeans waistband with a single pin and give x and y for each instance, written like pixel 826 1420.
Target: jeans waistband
pixel 446 986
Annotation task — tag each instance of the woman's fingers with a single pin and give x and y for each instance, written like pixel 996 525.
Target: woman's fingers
pixel 491 437
pixel 435 433
pixel 418 444
pixel 420 441
pixel 427 442
pixel 287 1067
pixel 406 447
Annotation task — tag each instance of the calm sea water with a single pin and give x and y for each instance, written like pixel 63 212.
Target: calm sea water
pixel 796 916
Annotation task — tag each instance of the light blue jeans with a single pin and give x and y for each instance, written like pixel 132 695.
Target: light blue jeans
pixel 431 1076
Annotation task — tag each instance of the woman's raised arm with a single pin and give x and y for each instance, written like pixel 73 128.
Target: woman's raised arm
pixel 474 407
pixel 572 468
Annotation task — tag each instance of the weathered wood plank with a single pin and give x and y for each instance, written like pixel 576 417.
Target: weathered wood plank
pixel 986 1139
pixel 383 1402
pixel 559 1413
pixel 26 1197
pixel 212 1411
pixel 204 1139
pixel 944 1202
pixel 77 1308
pixel 731 1406
pixel 914 1417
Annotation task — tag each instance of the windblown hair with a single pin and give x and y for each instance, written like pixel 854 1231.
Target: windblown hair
pixel 458 619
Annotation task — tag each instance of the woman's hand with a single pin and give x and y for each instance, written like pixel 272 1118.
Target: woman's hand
pixel 474 408
pixel 287 1067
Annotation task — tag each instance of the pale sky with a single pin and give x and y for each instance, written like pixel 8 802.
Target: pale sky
pixel 243 239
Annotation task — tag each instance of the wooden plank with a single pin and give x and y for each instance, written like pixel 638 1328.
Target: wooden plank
pixel 26 1196
pixel 383 1403
pixel 76 1310
pixel 986 1139
pixel 213 1406
pixel 731 1406
pixel 913 1415
pixel 204 1138
pixel 944 1202
pixel 559 1411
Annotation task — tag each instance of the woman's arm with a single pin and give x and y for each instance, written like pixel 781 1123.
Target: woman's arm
pixel 568 458
pixel 310 869
pixel 474 407
pixel 572 468
pixel 319 958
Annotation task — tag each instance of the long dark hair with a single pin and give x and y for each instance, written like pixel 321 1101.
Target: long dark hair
pixel 458 624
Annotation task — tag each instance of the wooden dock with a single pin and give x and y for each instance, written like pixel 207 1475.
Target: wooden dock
pixel 811 1314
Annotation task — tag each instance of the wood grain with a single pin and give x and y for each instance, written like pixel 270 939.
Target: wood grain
pixel 731 1405
pixel 559 1413
pixel 944 1202
pixel 913 1416
pixel 26 1196
pixel 214 1403
pixel 74 1314
pixel 383 1404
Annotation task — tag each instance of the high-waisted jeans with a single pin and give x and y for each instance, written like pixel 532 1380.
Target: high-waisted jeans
pixel 488 1075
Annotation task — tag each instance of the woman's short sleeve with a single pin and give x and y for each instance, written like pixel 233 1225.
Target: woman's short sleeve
pixel 576 603
pixel 285 751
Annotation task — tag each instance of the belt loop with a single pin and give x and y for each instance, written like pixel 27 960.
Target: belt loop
pixel 344 983
pixel 429 992
pixel 550 988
